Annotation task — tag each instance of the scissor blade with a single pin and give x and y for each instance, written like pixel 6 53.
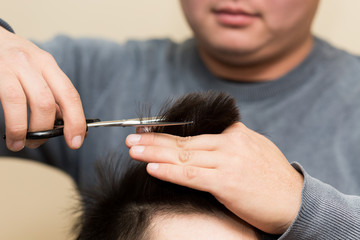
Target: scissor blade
pixel 150 124
pixel 136 123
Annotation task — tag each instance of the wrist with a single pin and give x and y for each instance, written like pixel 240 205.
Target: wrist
pixel 289 204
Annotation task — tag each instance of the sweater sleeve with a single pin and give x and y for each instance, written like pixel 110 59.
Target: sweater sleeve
pixel 6 26
pixel 325 213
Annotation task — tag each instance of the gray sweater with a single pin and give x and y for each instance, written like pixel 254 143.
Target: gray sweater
pixel 312 114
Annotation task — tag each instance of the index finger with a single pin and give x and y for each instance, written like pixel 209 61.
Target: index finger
pixel 68 99
pixel 207 142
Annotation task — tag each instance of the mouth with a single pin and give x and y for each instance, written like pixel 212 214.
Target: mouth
pixel 232 16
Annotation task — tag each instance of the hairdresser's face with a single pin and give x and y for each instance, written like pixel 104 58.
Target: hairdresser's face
pixel 260 27
pixel 200 226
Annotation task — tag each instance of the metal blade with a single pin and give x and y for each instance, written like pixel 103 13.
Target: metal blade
pixel 136 123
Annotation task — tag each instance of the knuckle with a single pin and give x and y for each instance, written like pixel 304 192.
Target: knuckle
pixel 182 142
pixel 21 56
pixel 151 138
pixel 45 103
pixel 237 136
pixel 185 156
pixel 47 57
pixel 167 171
pixel 16 131
pixel 189 172
pixel 239 125
pixel 14 96
pixel 72 95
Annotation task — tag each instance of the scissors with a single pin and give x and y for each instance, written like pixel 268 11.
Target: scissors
pixel 58 129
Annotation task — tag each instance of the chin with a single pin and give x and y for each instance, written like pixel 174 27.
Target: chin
pixel 233 47
pixel 233 41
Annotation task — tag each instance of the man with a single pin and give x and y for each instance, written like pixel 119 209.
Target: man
pixel 294 88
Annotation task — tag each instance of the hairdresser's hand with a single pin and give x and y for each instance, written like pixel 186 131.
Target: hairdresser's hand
pixel 30 76
pixel 244 170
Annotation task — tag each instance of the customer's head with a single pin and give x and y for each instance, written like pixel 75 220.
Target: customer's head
pixel 136 206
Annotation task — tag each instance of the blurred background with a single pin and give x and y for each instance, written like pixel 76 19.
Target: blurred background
pixel 336 20
pixel 37 201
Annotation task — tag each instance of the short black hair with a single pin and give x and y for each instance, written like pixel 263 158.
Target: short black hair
pixel 121 207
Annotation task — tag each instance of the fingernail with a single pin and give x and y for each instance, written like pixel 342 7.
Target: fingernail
pixel 153 166
pixel 76 142
pixel 133 138
pixel 138 149
pixel 18 145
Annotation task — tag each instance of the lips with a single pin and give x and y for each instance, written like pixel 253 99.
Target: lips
pixel 234 16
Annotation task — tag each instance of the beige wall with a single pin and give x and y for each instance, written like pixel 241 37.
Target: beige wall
pixel 115 19
pixel 35 200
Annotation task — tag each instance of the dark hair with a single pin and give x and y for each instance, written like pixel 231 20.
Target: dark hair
pixel 121 207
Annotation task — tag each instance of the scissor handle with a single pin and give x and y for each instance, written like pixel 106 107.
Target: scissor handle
pixel 58 130
pixel 45 134
pixel 60 122
pixel 55 132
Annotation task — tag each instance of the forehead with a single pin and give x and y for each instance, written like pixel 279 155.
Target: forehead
pixel 200 226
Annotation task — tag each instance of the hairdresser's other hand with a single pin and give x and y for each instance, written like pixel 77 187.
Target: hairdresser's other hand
pixel 243 169
pixel 30 76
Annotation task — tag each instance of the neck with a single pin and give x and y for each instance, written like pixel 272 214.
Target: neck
pixel 236 69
